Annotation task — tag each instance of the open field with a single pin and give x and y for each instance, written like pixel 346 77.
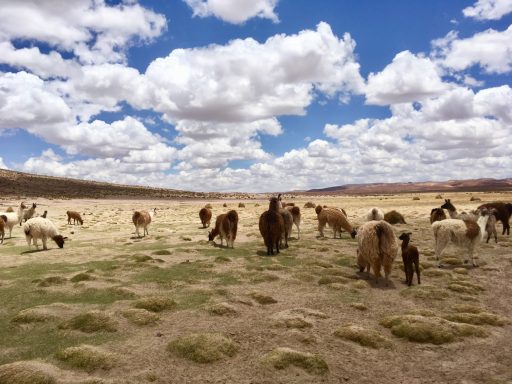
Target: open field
pixel 174 308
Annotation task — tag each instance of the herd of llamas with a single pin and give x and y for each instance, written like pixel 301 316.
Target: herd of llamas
pixel 377 243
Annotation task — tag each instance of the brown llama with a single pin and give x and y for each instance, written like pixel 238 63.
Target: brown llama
pixel 205 215
pixel 410 256
pixel 75 216
pixel 226 226
pixel 272 226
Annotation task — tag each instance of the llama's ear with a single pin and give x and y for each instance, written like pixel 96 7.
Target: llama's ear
pixel 409 233
pixel 65 238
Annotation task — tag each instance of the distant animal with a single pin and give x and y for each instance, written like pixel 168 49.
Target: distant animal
pixel 336 220
pixel 272 226
pixel 45 213
pixel 437 214
pixel 14 218
pixel 375 214
pixel 75 216
pixel 226 227
pixel 143 219
pixel 410 256
pixel 29 213
pixel 503 213
pixel 41 228
pixel 377 247
pixel 490 227
pixel 394 217
pixel 288 223
pixel 452 211
pixel 295 211
pixel 205 215
pixel 3 223
pixel 463 233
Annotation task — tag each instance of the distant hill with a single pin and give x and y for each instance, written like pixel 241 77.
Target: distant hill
pixel 475 185
pixel 29 185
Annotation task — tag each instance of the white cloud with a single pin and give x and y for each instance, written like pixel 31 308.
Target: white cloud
pixel 235 11
pixel 488 9
pixel 491 50
pixel 408 78
pixel 247 81
pixel 91 29
pixel 2 164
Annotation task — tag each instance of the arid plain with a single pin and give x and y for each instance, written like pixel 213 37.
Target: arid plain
pixel 175 308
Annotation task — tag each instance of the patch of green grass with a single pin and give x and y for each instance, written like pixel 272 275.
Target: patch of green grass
pixel 281 358
pixel 82 277
pixel 89 322
pixel 162 252
pixel 363 336
pixel 227 279
pixel 184 272
pixel 141 258
pixel 203 347
pixel 25 372
pixel 155 303
pixel 222 259
pixel 86 357
pixel 257 278
pixel 32 315
pixel 192 298
pixel 432 330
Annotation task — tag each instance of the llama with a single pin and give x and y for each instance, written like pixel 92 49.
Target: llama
pixel 394 217
pixel 14 218
pixel 490 227
pixel 75 216
pixel 452 211
pixel 226 226
pixel 205 215
pixel 437 214
pixel 143 219
pixel 377 247
pixel 504 211
pixel 295 211
pixel 3 223
pixel 336 220
pixel 271 226
pixel 410 256
pixel 463 233
pixel 41 228
pixel 29 213
pixel 375 214
pixel 288 223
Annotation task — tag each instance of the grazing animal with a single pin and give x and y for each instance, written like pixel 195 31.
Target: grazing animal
pixel 452 211
pixel 394 217
pixel 288 223
pixel 272 226
pixel 490 227
pixel 143 219
pixel 375 214
pixel 295 211
pixel 410 256
pixel 3 222
pixel 226 226
pixel 437 214
pixel 377 247
pixel 205 215
pixel 14 218
pixel 309 204
pixel 463 233
pixel 75 216
pixel 41 228
pixel 29 213
pixel 504 211
pixel 336 220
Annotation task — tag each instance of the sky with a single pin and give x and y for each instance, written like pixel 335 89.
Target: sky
pixel 256 95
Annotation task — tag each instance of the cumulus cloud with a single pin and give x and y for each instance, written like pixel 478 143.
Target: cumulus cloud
pixel 235 11
pixel 491 50
pixel 488 9
pixel 92 30
pixel 408 78
pixel 2 164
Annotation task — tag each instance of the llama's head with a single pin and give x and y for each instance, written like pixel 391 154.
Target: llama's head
pixel 406 236
pixel 3 218
pixel 318 209
pixel 448 205
pixel 34 205
pixel 23 206
pixel 59 240
pixel 353 233
pixel 210 236
pixel 274 204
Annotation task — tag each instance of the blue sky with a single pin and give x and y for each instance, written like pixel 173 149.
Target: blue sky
pixel 256 95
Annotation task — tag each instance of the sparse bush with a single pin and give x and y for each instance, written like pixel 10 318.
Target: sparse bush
pixel 203 347
pixel 155 303
pixel 281 358
pixel 363 336
pixel 86 357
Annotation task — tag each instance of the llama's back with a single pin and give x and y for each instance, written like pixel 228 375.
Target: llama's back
pixel 141 218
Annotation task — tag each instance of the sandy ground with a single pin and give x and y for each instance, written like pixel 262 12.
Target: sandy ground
pixel 177 261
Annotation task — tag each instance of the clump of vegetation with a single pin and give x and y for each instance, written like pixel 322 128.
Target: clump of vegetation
pixel 52 280
pixel 467 308
pixel 203 347
pixel 82 277
pixel 292 321
pixel 460 271
pixel 430 329
pixel 431 272
pixel 223 309
pixel 332 279
pixel 465 287
pixel 451 261
pixel 426 292
pixel 222 259
pixel 359 306
pixel 142 258
pixel 281 358
pixel 26 372
pixel 481 318
pixel 86 357
pixel 93 321
pixel 363 336
pixel 32 315
pixel 262 298
pixel 155 303
pixel 140 316
pixel 162 252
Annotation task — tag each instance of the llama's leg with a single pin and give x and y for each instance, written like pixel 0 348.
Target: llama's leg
pixel 495 235
pixel 298 232
pixel 146 232
pixel 44 243
pixel 440 244
pixel 29 239
pixel 10 231
pixel 34 241
pixel 417 267
pixel 471 249
pixel 488 236
pixel 137 231
pixel 320 228
pixel 387 271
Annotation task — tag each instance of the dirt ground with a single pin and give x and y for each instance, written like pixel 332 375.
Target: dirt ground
pixel 314 284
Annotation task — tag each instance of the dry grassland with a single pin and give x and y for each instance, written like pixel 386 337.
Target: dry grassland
pixel 174 308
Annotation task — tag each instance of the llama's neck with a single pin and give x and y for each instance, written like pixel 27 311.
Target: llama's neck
pixel 482 223
pixel 405 244
pixel 453 213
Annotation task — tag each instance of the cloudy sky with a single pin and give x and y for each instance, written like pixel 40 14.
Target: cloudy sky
pixel 256 95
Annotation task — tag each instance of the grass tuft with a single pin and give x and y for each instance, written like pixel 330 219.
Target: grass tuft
pixel 482 318
pixel 203 347
pixel 86 357
pixel 155 303
pixel 89 322
pixel 223 309
pixel 25 372
pixel 281 358
pixel 52 280
pixel 140 316
pixel 262 298
pixel 363 336
pixel 82 277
